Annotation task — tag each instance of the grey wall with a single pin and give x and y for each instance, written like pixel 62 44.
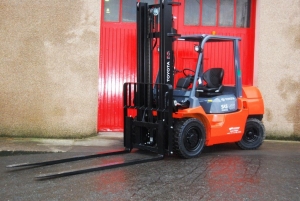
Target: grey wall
pixel 277 64
pixel 49 67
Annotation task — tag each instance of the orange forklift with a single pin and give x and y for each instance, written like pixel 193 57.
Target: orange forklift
pixel 199 110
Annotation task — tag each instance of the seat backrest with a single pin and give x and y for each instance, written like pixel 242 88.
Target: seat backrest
pixel 184 83
pixel 213 77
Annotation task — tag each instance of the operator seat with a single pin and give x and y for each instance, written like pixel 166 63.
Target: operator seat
pixel 213 78
pixel 184 82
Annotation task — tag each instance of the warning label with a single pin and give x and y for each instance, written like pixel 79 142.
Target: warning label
pixel 234 130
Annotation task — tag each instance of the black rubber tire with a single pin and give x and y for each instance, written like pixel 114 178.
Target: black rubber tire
pixel 189 137
pixel 254 135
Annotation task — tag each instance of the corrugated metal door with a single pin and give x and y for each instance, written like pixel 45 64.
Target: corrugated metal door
pixel 117 59
pixel 118 45
pixel 117 65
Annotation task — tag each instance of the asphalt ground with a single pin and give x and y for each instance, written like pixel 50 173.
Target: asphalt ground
pixel 221 172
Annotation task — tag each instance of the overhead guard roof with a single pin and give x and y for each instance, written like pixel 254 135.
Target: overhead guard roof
pixel 209 38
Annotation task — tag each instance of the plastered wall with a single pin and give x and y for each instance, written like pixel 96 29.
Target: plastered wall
pixel 277 64
pixel 49 54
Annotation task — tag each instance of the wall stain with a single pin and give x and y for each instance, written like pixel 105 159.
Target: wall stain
pixel 294 32
pixel 297 40
pixel 268 114
pixel 290 88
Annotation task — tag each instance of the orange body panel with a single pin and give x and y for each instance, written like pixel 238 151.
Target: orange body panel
pixel 254 100
pixel 223 128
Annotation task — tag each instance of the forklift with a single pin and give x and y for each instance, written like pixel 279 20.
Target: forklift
pixel 182 118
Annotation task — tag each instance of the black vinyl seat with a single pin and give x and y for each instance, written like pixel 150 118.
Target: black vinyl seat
pixel 213 78
pixel 184 83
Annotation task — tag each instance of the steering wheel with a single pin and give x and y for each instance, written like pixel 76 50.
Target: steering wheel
pixel 184 71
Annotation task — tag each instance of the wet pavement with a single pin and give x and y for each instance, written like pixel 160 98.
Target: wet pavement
pixel 222 172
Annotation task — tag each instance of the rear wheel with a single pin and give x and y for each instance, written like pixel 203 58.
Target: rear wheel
pixel 254 134
pixel 189 137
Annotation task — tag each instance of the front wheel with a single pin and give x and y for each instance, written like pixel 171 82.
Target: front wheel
pixel 254 134
pixel 189 137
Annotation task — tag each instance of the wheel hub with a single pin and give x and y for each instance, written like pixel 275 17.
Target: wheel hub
pixel 251 135
pixel 192 140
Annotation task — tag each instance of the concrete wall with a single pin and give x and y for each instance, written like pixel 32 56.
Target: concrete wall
pixel 49 67
pixel 277 64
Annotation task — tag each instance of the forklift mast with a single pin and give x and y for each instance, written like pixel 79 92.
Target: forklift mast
pixel 155 23
pixel 151 128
